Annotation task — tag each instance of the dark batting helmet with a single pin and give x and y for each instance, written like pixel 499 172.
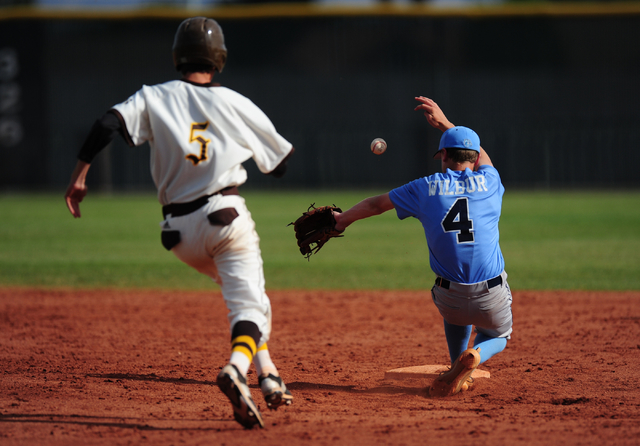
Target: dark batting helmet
pixel 199 40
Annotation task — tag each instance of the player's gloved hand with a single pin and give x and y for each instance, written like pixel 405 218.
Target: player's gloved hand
pixel 316 227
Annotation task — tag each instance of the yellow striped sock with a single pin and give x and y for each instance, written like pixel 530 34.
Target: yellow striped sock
pixel 245 345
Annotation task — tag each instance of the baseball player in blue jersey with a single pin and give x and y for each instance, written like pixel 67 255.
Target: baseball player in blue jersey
pixel 459 210
pixel 200 133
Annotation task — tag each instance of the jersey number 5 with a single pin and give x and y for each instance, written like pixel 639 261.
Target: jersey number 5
pixel 203 142
pixel 457 220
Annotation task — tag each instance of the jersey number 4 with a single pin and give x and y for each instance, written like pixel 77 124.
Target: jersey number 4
pixel 457 220
pixel 204 143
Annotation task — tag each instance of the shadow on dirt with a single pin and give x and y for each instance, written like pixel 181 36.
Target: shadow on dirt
pixel 386 389
pixel 119 422
pixel 152 377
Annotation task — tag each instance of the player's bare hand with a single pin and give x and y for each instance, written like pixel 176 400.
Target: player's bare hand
pixel 77 189
pixel 73 197
pixel 434 114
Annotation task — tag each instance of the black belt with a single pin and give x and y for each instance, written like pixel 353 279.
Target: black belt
pixel 444 283
pixel 180 209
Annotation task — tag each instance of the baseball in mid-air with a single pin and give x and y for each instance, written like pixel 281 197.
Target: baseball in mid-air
pixel 378 146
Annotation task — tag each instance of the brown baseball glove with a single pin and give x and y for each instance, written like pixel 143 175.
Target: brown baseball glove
pixel 314 228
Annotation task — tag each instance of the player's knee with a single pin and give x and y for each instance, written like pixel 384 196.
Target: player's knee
pixel 246 328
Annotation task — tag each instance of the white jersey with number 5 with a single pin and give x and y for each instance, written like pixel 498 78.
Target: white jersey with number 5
pixel 199 137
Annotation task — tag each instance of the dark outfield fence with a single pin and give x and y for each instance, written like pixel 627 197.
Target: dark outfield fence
pixel 555 98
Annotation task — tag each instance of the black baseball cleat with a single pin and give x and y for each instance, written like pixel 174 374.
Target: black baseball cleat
pixel 234 385
pixel 274 391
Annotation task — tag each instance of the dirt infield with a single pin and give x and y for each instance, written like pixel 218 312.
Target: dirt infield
pixel 139 367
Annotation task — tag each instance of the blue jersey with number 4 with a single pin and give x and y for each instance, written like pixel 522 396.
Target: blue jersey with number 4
pixel 459 211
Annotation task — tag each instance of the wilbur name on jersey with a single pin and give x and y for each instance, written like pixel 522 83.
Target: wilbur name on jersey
pixel 457 187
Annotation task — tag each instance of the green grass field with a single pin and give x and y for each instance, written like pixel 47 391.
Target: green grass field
pixel 550 240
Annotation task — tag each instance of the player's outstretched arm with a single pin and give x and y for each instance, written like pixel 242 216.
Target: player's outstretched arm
pixel 435 116
pixel 77 188
pixel 484 159
pixel 366 208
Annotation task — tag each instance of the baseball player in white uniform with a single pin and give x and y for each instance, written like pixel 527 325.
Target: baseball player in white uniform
pixel 200 134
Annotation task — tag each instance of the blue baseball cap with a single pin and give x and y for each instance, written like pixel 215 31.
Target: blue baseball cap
pixel 459 138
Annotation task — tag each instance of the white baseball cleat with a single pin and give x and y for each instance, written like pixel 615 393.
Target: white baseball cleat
pixel 274 391
pixel 234 385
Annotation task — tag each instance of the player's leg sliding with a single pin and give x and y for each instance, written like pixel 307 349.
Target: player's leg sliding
pixel 232 378
pixel 454 380
pixel 457 339
pixel 488 346
pixel 274 390
pixel 458 378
